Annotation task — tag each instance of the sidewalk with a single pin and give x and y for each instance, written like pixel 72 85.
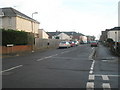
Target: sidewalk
pixel 103 53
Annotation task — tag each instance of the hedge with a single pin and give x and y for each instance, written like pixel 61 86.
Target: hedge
pixel 16 37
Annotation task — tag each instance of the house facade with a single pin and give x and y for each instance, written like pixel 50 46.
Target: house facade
pixel 13 19
pixel 64 36
pixel 114 34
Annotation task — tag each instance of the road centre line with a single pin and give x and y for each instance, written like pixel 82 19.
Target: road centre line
pixel 91 72
pixel 53 55
pixel 90 86
pixel 11 68
pixel 47 57
pixel 91 55
pixel 91 77
pixel 92 67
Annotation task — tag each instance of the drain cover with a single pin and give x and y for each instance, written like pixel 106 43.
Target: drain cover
pixel 108 58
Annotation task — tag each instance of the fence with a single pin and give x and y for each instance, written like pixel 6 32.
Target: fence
pixel 45 43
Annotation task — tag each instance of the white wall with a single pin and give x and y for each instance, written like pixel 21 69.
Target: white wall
pixel 43 34
pixel 115 35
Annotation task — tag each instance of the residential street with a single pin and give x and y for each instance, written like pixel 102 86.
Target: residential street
pixel 77 67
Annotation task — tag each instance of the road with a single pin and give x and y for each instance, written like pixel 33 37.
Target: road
pixel 62 68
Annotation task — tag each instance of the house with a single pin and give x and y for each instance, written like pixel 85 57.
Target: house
pixel 59 35
pixel 74 35
pixel 114 34
pixel 65 35
pixel 43 34
pixel 13 19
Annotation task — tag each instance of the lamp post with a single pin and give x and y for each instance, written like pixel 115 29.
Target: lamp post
pixel 33 21
pixel 33 31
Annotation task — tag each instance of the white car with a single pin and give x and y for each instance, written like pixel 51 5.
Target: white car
pixel 64 44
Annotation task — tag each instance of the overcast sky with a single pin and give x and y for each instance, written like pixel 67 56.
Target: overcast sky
pixel 89 17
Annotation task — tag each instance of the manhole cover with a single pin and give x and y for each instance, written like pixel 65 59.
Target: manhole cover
pixel 108 58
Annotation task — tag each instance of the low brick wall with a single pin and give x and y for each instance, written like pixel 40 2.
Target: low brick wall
pixel 15 49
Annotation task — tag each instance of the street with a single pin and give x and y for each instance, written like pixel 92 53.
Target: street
pixel 76 67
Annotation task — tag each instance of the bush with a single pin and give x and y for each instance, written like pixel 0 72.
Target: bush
pixel 15 37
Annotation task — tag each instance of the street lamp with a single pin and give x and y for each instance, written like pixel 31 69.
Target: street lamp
pixel 33 31
pixel 33 21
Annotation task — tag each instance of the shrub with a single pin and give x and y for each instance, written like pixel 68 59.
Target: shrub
pixel 15 37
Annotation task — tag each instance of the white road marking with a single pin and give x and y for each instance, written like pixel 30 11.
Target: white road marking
pixel 90 85
pixel 91 72
pixel 11 68
pixel 106 86
pixel 91 77
pixel 105 77
pixel 108 75
pixel 91 55
pixel 64 52
pixel 47 57
pixel 92 67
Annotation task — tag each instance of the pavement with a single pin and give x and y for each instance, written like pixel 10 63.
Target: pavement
pixel 106 70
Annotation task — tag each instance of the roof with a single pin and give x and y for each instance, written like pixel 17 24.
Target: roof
pixel 115 28
pixel 68 33
pixel 112 29
pixel 11 12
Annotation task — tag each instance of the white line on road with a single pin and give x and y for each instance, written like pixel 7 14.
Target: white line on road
pixel 108 75
pixel 91 77
pixel 11 68
pixel 90 86
pixel 91 72
pixel 106 86
pixel 105 77
pixel 92 67
pixel 47 57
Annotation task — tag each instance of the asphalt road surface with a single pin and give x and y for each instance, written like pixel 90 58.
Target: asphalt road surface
pixel 77 67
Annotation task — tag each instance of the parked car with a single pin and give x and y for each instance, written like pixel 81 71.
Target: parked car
pixel 72 43
pixel 76 43
pixel 94 43
pixel 64 44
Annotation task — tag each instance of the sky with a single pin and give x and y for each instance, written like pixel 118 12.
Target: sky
pixel 88 17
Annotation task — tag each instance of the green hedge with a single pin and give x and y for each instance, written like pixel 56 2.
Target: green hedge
pixel 16 37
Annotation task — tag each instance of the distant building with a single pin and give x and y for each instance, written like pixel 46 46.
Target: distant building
pixel 59 35
pixel 65 35
pixel 103 37
pixel 90 38
pixel 13 19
